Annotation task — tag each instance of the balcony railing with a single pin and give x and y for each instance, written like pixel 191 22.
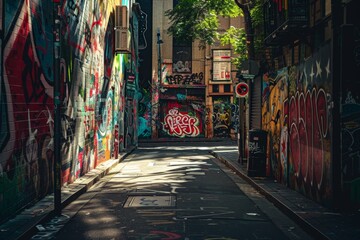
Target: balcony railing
pixel 285 20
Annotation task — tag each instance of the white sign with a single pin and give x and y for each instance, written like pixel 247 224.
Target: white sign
pixel 221 65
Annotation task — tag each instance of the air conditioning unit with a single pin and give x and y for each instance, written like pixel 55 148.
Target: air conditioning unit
pixel 122 40
pixel 121 17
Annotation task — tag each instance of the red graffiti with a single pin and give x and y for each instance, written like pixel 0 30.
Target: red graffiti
pixel 181 125
pixel 168 235
pixel 309 124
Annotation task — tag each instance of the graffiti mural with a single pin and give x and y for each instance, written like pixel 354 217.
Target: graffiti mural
pixel 181 125
pixel 182 102
pixel 221 117
pixel 310 121
pixel 274 121
pixel 93 96
pixel 350 115
pixel 26 146
pixel 351 145
pixel 185 79
pixel 235 111
pixel 181 120
pixel 298 118
pixel 144 109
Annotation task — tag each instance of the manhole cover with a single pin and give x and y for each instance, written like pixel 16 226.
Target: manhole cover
pixel 150 201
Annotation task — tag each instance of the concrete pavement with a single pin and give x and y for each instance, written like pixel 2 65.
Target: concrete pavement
pixel 315 219
pixel 320 222
pixel 24 224
pixel 173 191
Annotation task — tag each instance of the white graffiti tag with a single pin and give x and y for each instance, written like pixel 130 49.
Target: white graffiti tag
pixel 181 125
pixel 254 148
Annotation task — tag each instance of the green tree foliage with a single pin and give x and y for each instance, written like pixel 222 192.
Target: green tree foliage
pixel 198 19
pixel 237 38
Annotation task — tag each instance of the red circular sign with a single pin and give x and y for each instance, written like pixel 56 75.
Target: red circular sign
pixel 242 89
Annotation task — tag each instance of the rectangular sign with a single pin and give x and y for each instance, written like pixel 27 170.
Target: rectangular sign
pixel 221 65
pixel 222 55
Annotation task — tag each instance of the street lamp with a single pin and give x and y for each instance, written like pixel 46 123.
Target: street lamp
pixel 155 89
pixel 159 42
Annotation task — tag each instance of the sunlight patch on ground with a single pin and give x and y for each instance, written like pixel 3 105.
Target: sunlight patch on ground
pixel 145 173
pixel 235 150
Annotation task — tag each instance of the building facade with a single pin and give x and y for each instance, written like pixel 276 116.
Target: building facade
pixel 310 98
pixel 190 93
pixel 99 86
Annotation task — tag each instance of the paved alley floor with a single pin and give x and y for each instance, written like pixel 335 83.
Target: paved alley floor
pixel 180 190
pixel 172 192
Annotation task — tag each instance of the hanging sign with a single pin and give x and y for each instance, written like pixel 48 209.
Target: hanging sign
pixel 241 89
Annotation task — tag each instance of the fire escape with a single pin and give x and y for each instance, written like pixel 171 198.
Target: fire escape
pixel 285 21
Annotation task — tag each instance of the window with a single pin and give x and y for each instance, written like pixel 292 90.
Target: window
pixel 316 12
pixel 215 88
pixel 182 54
pixel 227 88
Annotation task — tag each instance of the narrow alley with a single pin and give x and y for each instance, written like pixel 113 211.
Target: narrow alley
pixel 172 191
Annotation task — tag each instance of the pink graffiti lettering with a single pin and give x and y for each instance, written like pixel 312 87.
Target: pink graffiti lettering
pixel 168 235
pixel 181 125
pixel 309 124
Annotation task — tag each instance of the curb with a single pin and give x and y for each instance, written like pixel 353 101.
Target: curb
pixel 68 195
pixel 184 140
pixel 309 228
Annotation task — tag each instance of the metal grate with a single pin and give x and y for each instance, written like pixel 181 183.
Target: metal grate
pixel 150 201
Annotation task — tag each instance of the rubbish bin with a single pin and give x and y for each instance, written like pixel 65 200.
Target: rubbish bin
pixel 256 165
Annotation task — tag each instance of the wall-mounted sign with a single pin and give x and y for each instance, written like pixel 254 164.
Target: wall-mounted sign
pixel 221 65
pixel 241 89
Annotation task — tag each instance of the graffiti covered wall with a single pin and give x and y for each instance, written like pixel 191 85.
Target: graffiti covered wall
pixel 350 115
pixel 145 119
pixel 310 122
pixel 297 115
pixel 145 71
pixel 181 120
pixel 93 96
pixel 274 121
pixel 26 145
pixel 182 110
pixel 225 117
